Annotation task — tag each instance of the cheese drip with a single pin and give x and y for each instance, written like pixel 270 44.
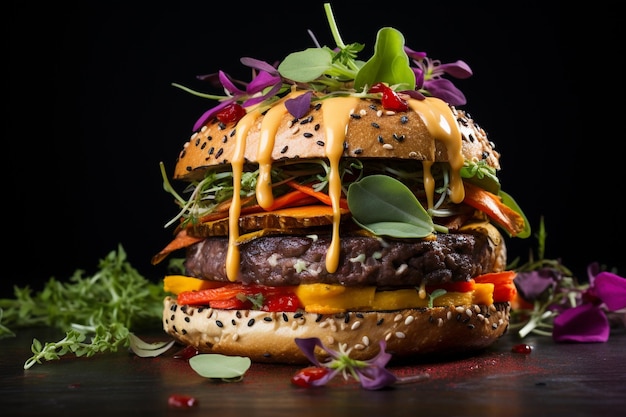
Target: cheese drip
pixel 336 118
pixel 269 127
pixel 443 126
pixel 232 256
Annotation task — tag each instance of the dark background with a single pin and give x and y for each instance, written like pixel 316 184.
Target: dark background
pixel 91 112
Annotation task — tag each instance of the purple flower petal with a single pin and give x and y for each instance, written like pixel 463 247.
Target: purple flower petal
pixel 611 289
pixel 300 105
pixel 583 324
pixel 229 85
pixel 307 346
pixel 414 54
pixel 374 377
pixel 262 81
pixel 531 285
pixel 259 65
pixel 445 90
pixel 458 69
pixel 207 115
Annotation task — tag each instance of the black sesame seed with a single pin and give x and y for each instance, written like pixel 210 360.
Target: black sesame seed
pixel 359 315
pixel 306 120
pixel 373 107
pixel 285 318
pixel 219 323
pixel 297 315
pixel 318 106
pixel 184 309
pixel 174 307
pixel 471 326
pixel 203 145
pixel 397 137
pixel 308 134
pixel 380 321
pixel 358 151
pixel 211 150
pixel 233 322
pixel 174 328
pixel 319 318
pixel 221 125
pixel 250 322
pixel 184 332
pixel 183 153
pixel 404 119
pixel 458 317
pixel 431 319
pixel 485 154
pixel 225 139
pixel 346 318
pixel 172 317
pixel 355 116
pixel 188 169
pixel 380 139
pixel 232 133
pixel 320 142
pixel 267 318
pixel 187 319
pixel 317 127
pixel 471 138
pixel 238 314
pixel 284 149
pixel 197 141
pixel 376 125
pixel 209 138
pixel 219 153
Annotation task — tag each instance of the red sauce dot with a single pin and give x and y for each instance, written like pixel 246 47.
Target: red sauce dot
pixel 522 348
pixel 181 401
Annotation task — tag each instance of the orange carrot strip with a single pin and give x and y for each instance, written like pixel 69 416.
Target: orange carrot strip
pixel 324 198
pixel 503 285
pixel 492 206
pixel 182 240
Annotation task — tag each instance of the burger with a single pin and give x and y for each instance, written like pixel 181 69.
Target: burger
pixel 352 201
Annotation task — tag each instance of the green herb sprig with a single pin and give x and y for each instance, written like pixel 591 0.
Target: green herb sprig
pixel 97 312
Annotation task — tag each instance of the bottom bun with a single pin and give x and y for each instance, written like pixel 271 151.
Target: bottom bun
pixel 269 336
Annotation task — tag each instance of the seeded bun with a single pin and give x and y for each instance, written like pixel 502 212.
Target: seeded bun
pixel 269 336
pixel 372 132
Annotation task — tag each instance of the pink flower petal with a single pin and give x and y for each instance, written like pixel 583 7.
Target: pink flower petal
pixel 611 289
pixel 583 324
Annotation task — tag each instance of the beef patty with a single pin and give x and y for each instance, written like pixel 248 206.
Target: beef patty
pixel 294 260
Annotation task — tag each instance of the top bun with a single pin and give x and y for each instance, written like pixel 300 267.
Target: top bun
pixel 371 132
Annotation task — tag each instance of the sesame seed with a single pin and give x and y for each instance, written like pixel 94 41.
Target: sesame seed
pixel 295 130
pixel 290 123
pixel 184 332
pixel 317 127
pixel 355 325
pixel 375 125
pixel 308 134
pixel 297 315
pixel 187 319
pixel 362 112
pixel 390 113
pixel 380 139
pixel 320 142
pixel 324 324
pixel 233 322
pixel 225 139
pixel 400 335
pixel 221 126
pixel 397 318
pixel 412 154
pixel 468 312
pixel 439 322
pixel 235 337
pixel 284 149
pixel 219 153
pixel 285 318
pixel 358 151
pixel 318 106
pixel 359 346
pixel 306 120
pixel 409 320
pixel 379 113
pixel 203 128
pixel 399 138
pixel 250 322
pixel 219 323
pixel 355 116
pixel 380 321
pixel 404 119
pixel 388 146
pixel 211 150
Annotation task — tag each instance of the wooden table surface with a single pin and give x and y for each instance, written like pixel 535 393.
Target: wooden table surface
pixel 553 380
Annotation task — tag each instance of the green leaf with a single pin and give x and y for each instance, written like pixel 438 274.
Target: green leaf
pixel 307 65
pixel 219 366
pixel 386 207
pixel 389 64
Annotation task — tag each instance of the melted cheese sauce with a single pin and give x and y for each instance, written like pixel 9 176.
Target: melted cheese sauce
pixel 435 113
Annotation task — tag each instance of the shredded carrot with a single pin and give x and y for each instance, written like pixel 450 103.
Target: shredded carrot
pixel 492 206
pixel 324 198
pixel 182 240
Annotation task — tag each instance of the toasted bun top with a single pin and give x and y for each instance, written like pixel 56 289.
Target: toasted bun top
pixel 425 133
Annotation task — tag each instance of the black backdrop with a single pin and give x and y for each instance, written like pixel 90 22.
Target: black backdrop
pixel 91 113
